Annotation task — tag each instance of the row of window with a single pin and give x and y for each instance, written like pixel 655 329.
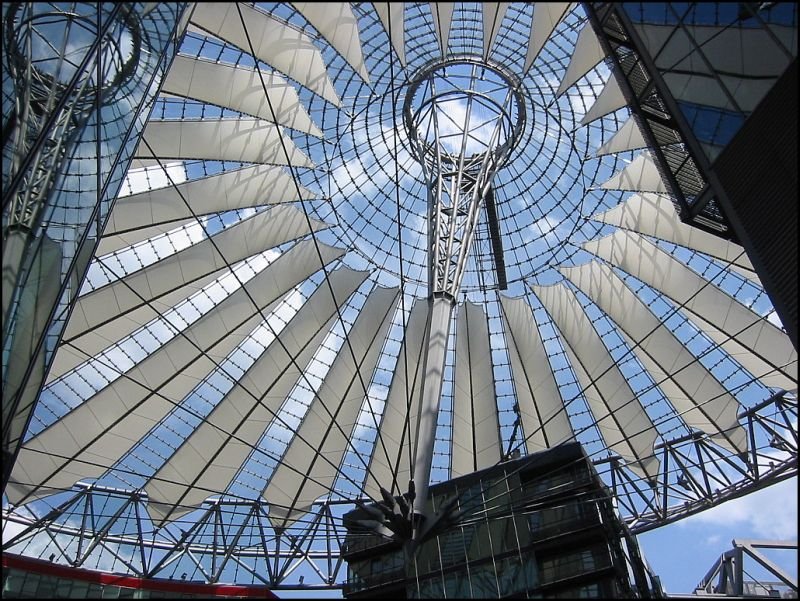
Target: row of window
pixel 21 584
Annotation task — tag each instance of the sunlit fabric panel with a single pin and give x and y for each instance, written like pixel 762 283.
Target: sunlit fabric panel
pixel 246 238
pixel 90 438
pixel 628 137
pixel 696 394
pixel 640 175
pixel 74 351
pixel 276 43
pixel 587 54
pixel 442 13
pixel 655 215
pixel 311 464
pixel 389 464
pixel 546 15
pixel 241 89
pixel 236 140
pixel 493 13
pixel 545 422
pixel 609 100
pixel 211 457
pixel 476 430
pixel 337 24
pixel 173 206
pixel 760 347
pixel 392 16
pixel 625 426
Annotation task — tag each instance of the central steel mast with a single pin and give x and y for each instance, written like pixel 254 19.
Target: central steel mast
pixel 463 117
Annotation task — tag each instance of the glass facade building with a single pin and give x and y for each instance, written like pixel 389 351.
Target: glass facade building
pixel 26 578
pixel 543 525
pixel 79 80
pixel 694 73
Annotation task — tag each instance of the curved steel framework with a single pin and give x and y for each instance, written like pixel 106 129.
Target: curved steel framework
pixel 232 540
pixel 294 253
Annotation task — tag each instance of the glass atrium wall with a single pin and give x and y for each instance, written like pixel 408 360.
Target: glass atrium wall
pixel 719 60
pixel 79 80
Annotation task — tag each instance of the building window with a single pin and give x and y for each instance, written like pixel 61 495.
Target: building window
pixel 574 563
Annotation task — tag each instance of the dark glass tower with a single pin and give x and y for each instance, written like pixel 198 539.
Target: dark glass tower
pixel 79 80
pixel 713 89
pixel 543 525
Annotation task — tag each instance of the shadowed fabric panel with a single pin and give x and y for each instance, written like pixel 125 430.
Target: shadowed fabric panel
pixel 760 347
pixel 389 464
pixel 106 315
pixel 275 42
pixel 655 215
pixel 476 433
pixel 625 426
pixel 236 140
pixel 696 394
pixel 545 422
pixel 241 89
pixel 303 475
pixel 212 455
pixel 91 437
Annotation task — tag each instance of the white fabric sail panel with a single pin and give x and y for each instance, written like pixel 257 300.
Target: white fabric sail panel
pixel 493 13
pixel 250 236
pixel 640 175
pixel 546 16
pixel 337 24
pixel 392 16
pixel 89 439
pixel 311 463
pixel 75 351
pixel 212 455
pixel 476 429
pixel 545 422
pixel 655 215
pixel 236 140
pixel 696 394
pixel 109 424
pixel 762 349
pixel 246 187
pixel 240 89
pixel 628 137
pixel 389 464
pixel 608 101
pixel 115 242
pixel 275 42
pixel 442 13
pixel 586 55
pixel 625 426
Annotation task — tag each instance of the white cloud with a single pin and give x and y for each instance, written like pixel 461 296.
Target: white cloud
pixel 770 513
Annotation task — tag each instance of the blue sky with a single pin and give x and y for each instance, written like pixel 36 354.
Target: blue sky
pixel 682 553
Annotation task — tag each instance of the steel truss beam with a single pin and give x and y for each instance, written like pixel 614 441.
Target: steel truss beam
pixel 235 537
pixel 696 474
pixel 729 572
pixel 678 155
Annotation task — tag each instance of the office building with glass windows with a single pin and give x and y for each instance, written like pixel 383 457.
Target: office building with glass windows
pixel 539 526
